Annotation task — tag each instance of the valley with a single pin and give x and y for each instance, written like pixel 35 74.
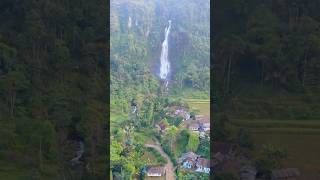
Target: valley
pixel 158 59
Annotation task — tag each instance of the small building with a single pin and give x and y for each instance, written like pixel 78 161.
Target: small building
pixel 182 113
pixel 202 135
pixel 188 156
pixel 194 127
pixel 202 118
pixel 203 165
pixel 205 126
pixel 204 122
pixel 156 171
pixel 179 111
pixel 188 163
pixel 285 174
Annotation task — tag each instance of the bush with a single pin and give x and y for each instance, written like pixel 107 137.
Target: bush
pixel 157 155
pixel 204 149
pixel 244 138
pixel 167 150
pixel 225 176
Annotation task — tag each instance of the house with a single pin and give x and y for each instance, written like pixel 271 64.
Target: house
pixel 204 122
pixel 285 174
pixel 188 163
pixel 183 113
pixel 202 135
pixel 156 171
pixel 205 126
pixel 188 156
pixel 179 111
pixel 186 116
pixel 194 127
pixel 203 165
pixel 202 118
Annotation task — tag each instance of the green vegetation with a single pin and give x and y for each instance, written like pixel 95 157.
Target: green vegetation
pixel 157 156
pixel 192 176
pixel 193 142
pixel 200 105
pixel 52 89
pixel 135 43
pixel 204 148
pixel 182 142
pixel 267 79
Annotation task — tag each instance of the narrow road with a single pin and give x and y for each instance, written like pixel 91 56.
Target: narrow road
pixel 170 175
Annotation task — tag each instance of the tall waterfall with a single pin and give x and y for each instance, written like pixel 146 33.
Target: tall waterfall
pixel 165 64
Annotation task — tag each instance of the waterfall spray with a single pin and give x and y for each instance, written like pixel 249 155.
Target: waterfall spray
pixel 165 64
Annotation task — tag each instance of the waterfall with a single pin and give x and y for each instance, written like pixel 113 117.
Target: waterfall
pixel 164 61
pixel 129 22
pixel 79 153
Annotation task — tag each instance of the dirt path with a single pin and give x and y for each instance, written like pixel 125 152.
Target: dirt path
pixel 170 175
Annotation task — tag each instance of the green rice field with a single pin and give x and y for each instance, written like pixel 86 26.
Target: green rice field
pixel 203 105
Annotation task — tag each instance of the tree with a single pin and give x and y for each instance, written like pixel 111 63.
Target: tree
pixel 193 142
pixel 270 158
pixel 220 131
pixel 225 176
pixel 244 138
pixel 234 45
pixel 171 135
pixel 115 150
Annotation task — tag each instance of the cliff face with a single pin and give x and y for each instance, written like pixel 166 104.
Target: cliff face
pixel 137 31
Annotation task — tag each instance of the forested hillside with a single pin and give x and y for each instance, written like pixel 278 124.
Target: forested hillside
pixel 268 49
pixel 267 85
pixel 52 89
pixel 137 31
pixel 139 99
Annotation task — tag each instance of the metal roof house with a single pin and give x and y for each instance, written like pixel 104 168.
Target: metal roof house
pixel 156 171
pixel 203 165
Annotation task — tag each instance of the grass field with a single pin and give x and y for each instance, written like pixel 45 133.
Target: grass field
pixel 303 127
pixel 203 105
pixel 299 137
pixel 303 151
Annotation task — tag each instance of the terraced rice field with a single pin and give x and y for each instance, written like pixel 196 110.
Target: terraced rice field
pixel 299 137
pixel 203 105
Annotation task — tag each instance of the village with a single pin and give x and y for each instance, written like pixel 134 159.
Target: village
pixel 188 162
pixel 226 157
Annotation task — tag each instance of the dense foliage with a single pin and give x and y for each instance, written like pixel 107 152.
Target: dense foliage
pixel 137 32
pixel 265 49
pixel 53 88
pixel 266 70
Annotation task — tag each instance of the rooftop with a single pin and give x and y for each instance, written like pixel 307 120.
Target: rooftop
pixel 188 155
pixel 203 162
pixel 194 125
pixel 202 119
pixel 156 170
